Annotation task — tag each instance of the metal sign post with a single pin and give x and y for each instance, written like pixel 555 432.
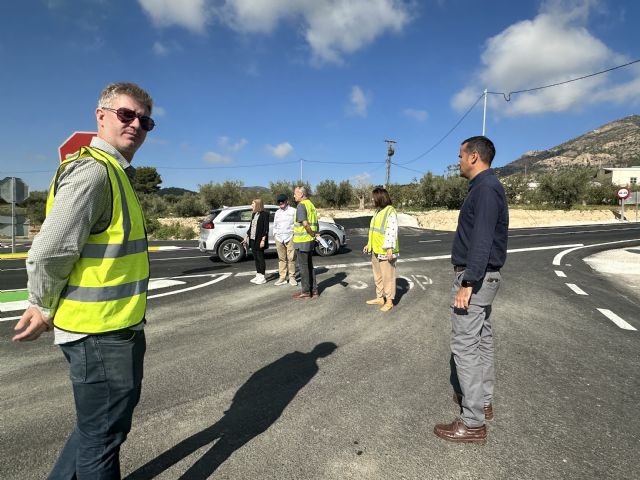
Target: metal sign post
pixel 13 214
pixel 13 190
pixel 623 194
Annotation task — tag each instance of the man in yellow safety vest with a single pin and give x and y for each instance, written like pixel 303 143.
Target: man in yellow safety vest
pixel 88 272
pixel 305 231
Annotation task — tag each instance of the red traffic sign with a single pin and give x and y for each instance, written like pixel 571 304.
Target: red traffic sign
pixel 72 144
pixel 623 193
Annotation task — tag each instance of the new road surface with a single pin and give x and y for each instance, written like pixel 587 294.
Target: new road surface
pixel 243 382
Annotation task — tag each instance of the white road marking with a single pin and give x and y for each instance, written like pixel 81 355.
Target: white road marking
pixel 576 289
pixel 156 284
pixel 219 277
pixel 560 273
pixel 570 232
pixel 418 282
pixel 616 319
pixel 13 306
pixel 558 258
pixel 176 258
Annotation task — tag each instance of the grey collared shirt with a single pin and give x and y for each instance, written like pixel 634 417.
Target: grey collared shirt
pixel 82 206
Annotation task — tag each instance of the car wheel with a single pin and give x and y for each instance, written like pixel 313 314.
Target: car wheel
pixel 332 245
pixel 231 251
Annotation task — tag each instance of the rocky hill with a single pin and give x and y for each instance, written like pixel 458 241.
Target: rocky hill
pixel 616 144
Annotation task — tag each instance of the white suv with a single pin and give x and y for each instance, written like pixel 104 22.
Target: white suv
pixel 222 232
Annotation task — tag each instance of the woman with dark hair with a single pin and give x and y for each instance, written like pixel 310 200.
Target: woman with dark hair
pixel 384 247
pixel 258 238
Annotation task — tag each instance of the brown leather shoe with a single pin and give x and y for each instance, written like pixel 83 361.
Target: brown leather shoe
pixel 488 409
pixel 301 295
pixel 458 432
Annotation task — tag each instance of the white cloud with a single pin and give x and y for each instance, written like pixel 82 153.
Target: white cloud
pixel 190 14
pixel 226 144
pixel 552 48
pixel 281 150
pixel 418 115
pixel 216 158
pixel 358 102
pixel 331 28
pixel 159 49
pixel 361 180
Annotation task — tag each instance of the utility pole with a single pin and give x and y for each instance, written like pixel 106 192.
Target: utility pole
pixel 484 112
pixel 390 152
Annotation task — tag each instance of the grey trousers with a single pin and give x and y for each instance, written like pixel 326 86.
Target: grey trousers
pixel 472 348
pixel 307 274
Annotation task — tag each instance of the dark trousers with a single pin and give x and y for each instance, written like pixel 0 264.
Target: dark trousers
pixel 307 275
pixel 106 373
pixel 258 257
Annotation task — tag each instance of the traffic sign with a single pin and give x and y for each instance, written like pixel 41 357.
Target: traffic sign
pixel 72 144
pixel 13 194
pixel 623 193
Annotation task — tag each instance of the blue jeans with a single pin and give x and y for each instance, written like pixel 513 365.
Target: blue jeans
pixel 106 373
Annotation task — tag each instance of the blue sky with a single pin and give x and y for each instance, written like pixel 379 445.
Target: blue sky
pixel 244 89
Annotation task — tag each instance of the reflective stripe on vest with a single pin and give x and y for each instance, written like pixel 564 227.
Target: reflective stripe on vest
pixel 300 234
pixel 377 229
pixel 107 287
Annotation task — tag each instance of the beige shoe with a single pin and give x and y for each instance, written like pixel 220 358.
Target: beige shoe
pixel 387 306
pixel 376 301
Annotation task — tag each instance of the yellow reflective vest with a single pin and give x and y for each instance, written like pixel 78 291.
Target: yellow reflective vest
pixel 300 235
pixel 107 287
pixel 377 229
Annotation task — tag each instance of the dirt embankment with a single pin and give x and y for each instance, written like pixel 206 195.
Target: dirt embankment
pixel 447 219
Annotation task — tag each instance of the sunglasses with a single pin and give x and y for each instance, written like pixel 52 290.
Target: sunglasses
pixel 126 115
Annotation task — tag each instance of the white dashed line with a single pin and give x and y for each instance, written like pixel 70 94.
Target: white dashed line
pixel 616 319
pixel 560 273
pixel 576 289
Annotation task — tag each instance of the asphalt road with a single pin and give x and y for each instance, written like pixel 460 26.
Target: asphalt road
pixel 242 382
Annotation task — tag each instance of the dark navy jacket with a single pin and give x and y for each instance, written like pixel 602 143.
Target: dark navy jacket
pixel 481 237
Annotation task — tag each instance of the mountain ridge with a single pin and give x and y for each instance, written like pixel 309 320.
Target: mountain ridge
pixel 614 144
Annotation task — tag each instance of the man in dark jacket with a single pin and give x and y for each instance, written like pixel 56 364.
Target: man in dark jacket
pixel 478 253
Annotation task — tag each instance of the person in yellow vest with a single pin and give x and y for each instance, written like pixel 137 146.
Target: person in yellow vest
pixel 305 232
pixel 88 272
pixel 384 248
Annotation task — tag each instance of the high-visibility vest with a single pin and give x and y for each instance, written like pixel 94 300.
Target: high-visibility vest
pixel 300 235
pixel 107 287
pixel 377 229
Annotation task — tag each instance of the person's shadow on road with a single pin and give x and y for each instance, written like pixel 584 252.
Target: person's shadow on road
pixel 255 407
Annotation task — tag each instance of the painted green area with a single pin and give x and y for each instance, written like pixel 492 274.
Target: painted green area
pixel 13 296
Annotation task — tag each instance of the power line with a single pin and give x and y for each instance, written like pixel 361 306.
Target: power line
pixel 343 163
pixel 446 134
pixel 507 96
pixel 216 167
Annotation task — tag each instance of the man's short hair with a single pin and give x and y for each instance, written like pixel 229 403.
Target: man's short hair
pixel 483 146
pixel 111 91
